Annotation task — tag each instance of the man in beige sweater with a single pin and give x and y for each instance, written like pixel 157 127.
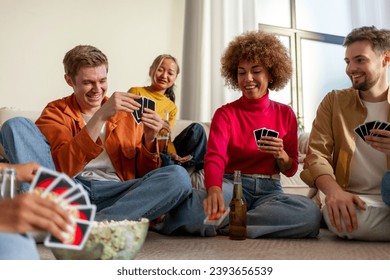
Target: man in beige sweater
pixel 348 167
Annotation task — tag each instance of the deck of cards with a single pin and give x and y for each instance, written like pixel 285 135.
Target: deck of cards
pixel 365 128
pixel 74 199
pixel 145 103
pixel 264 132
pixel 212 220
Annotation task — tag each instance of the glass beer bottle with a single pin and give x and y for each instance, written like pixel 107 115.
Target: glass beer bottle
pixel 8 186
pixel 237 215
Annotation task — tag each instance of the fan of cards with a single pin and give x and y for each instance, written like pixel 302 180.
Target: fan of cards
pixel 365 128
pixel 264 132
pixel 145 103
pixel 74 199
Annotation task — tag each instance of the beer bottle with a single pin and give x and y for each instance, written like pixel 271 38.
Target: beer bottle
pixel 237 215
pixel 163 137
pixel 8 186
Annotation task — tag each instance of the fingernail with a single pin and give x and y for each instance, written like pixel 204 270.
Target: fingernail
pixel 66 237
pixel 70 228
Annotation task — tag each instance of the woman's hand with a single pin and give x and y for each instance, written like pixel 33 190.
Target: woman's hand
pixel 25 172
pixel 271 145
pixel 214 204
pixel 274 146
pixel 29 212
pixel 152 125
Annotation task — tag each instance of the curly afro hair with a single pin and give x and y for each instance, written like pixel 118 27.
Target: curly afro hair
pixel 260 47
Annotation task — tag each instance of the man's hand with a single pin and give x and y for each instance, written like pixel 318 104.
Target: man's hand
pixel 340 204
pixel 119 101
pixel 379 143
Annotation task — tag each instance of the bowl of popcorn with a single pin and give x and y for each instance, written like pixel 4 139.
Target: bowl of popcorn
pixel 109 240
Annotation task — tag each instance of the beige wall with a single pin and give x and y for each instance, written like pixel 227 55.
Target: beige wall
pixel 35 35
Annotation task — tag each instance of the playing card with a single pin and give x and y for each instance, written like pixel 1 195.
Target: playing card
pixel 359 132
pixel 82 213
pixel 73 240
pixel 78 199
pixel 82 218
pixel 258 133
pixel 138 113
pixel 264 132
pixel 272 133
pixel 149 103
pixel 211 220
pixel 370 125
pixel 363 129
pixel 381 126
pixel 387 127
pixel 59 188
pixel 42 179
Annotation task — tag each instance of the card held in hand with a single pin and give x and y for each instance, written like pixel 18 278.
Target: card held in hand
pixel 43 179
pixel 211 220
pixel 59 188
pixel 264 132
pixel 138 113
pixel 74 199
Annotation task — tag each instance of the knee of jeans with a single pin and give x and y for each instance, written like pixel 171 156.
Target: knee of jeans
pixel 16 123
pixel 181 176
pixel 312 219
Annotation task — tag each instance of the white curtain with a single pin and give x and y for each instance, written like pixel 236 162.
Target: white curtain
pixel 371 12
pixel 209 26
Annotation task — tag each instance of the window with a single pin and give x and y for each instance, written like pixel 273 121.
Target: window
pixel 318 63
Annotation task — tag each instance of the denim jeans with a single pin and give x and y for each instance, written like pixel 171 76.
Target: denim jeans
pixel 271 212
pixel 150 196
pixel 386 188
pixel 23 142
pixel 15 246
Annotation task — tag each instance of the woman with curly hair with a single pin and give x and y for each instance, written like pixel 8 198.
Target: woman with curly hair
pixel 254 63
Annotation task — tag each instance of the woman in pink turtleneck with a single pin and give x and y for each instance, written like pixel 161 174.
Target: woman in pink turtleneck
pixel 255 62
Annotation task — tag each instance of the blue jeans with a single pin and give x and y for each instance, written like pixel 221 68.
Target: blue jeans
pixel 386 188
pixel 150 196
pixel 23 142
pixel 271 212
pixel 15 246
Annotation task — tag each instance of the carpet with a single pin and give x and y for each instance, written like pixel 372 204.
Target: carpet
pixel 325 247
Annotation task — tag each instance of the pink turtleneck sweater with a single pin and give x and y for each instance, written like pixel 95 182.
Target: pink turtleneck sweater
pixel 232 146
